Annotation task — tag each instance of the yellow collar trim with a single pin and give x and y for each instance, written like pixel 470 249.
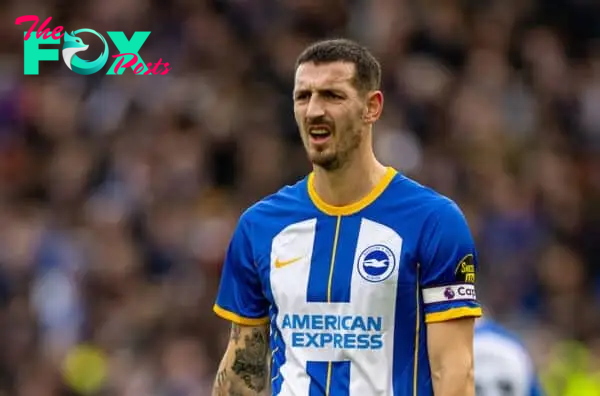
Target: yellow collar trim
pixel 355 207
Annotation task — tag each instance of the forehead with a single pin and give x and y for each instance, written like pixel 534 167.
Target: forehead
pixel 310 75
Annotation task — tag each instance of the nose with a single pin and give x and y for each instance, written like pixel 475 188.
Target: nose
pixel 315 108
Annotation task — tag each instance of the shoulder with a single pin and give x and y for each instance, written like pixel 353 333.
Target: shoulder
pixel 287 199
pixel 423 216
pixel 422 200
pixel 429 214
pixel 275 211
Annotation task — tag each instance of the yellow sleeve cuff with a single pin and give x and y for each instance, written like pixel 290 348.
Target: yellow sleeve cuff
pixel 237 319
pixel 453 313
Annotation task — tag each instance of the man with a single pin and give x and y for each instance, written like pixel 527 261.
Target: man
pixel 503 366
pixel 360 279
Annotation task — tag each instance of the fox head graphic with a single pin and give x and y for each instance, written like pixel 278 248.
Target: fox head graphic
pixel 73 44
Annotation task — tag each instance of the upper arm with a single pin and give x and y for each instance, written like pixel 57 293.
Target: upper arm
pixel 450 349
pixel 448 266
pixel 240 298
pixel 450 342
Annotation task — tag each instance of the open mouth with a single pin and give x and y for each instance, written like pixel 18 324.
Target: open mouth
pixel 319 134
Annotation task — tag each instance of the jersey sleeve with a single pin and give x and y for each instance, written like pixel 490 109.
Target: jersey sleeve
pixel 448 266
pixel 240 298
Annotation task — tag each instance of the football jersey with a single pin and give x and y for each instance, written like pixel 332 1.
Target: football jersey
pixel 503 366
pixel 347 291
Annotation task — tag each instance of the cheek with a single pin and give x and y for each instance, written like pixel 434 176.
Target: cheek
pixel 349 120
pixel 298 116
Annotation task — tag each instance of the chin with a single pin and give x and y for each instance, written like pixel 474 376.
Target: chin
pixel 325 161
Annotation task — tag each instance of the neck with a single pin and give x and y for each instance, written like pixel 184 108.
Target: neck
pixel 351 182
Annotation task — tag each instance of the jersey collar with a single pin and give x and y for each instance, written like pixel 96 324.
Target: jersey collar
pixel 355 207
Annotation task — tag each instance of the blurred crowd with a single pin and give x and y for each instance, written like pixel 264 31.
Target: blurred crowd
pixel 118 194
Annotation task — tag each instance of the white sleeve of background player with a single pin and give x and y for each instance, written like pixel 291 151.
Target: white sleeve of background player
pixel 501 360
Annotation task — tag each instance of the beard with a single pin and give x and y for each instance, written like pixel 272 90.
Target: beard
pixel 337 154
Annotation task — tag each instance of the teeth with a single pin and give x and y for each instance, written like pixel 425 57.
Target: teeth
pixel 319 132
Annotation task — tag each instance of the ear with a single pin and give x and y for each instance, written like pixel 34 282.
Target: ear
pixel 373 107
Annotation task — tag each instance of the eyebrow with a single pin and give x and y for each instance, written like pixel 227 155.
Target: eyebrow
pixel 335 90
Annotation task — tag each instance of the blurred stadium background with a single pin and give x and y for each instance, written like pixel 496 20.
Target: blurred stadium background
pixel 119 194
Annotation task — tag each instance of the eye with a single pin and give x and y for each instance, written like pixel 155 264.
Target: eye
pixel 332 95
pixel 301 96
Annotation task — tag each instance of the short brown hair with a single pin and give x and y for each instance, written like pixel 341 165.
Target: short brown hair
pixel 368 69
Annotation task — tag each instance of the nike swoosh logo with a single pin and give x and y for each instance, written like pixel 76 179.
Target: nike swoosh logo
pixel 281 264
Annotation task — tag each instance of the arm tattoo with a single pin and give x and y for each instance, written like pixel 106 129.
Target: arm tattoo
pixel 250 361
pixel 235 333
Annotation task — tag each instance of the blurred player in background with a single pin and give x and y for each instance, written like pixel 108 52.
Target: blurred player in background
pixel 503 366
pixel 359 280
